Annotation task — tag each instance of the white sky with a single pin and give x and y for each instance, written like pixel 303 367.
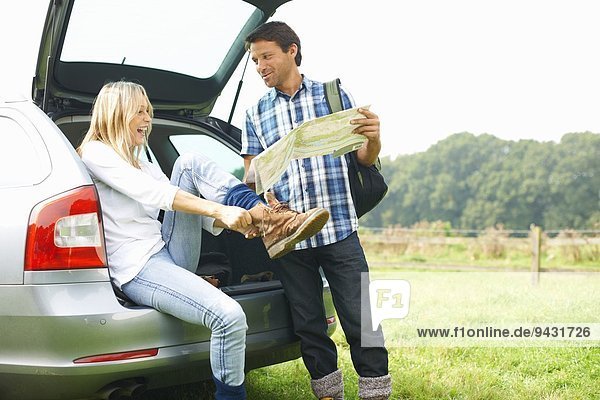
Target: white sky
pixel 516 69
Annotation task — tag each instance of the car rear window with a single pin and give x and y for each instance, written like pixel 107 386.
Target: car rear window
pixel 226 158
pixel 23 158
pixel 191 37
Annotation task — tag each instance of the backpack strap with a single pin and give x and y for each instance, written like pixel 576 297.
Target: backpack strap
pixel 333 95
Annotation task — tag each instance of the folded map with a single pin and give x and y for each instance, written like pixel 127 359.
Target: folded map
pixel 331 134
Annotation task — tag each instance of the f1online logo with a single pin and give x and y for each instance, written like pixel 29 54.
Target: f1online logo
pixel 389 299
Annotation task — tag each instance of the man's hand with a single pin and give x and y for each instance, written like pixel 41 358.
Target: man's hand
pixel 369 127
pixel 249 177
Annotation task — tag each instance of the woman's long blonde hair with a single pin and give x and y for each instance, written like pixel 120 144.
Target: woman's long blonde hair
pixel 114 108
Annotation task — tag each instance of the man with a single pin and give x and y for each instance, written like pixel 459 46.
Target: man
pixel 307 183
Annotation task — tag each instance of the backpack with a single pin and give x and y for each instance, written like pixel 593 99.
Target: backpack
pixel 367 184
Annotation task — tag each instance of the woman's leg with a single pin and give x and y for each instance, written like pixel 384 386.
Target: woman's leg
pixel 182 232
pixel 281 228
pixel 170 289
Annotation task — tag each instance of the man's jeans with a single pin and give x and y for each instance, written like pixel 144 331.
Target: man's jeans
pixel 168 281
pixel 342 262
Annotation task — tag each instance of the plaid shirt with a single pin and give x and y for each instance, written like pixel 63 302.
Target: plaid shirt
pixel 309 182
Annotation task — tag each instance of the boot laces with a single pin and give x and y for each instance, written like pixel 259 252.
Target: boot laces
pixel 278 208
pixel 281 207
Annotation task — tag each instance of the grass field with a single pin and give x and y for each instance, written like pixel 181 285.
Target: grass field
pixel 456 373
pixel 424 373
pixel 468 370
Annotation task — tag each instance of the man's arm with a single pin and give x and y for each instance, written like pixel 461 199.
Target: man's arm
pixel 248 180
pixel 368 126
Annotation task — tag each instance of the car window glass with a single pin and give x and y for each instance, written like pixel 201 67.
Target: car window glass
pixel 20 160
pixel 228 159
pixel 176 35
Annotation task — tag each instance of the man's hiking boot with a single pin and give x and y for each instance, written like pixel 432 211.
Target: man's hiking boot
pixel 281 228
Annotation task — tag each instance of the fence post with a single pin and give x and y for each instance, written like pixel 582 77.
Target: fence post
pixel 536 241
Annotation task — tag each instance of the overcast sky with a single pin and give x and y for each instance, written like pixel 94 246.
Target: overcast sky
pixel 516 69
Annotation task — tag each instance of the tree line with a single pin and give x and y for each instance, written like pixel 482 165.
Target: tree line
pixel 479 181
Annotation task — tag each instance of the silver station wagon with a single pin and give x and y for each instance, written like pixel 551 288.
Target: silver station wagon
pixel 65 331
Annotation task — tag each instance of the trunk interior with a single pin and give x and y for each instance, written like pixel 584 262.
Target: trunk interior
pixel 240 265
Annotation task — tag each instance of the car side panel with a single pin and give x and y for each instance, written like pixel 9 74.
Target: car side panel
pixel 63 171
pixel 39 349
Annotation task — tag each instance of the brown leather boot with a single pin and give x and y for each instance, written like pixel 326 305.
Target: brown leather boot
pixel 281 228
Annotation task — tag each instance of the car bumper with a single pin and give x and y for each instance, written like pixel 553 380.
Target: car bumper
pixel 39 346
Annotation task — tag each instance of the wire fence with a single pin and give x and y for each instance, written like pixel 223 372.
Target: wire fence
pixel 553 247
pixel 511 233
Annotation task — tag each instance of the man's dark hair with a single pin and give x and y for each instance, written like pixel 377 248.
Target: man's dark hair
pixel 278 32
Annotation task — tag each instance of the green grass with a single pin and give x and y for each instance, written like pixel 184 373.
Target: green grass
pixel 550 371
pixel 429 373
pixel 454 373
pixel 471 371
pixel 479 299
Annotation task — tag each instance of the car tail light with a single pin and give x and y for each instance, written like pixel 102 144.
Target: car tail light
pixel 126 355
pixel 65 232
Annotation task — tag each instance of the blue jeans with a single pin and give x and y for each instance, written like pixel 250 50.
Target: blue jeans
pixel 168 281
pixel 342 262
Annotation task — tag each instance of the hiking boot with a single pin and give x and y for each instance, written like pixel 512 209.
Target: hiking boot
pixel 281 228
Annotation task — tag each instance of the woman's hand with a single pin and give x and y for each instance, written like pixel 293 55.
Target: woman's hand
pixel 239 220
pixel 234 218
pixel 229 217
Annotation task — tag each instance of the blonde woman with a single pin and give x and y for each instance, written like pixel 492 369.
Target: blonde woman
pixel 154 264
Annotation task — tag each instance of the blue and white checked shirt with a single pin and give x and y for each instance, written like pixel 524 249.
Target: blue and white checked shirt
pixel 310 182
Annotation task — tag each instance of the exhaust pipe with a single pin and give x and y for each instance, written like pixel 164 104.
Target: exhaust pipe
pixel 135 389
pixel 122 390
pixel 110 393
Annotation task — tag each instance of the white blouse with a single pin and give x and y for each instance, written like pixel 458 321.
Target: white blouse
pixel 130 199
